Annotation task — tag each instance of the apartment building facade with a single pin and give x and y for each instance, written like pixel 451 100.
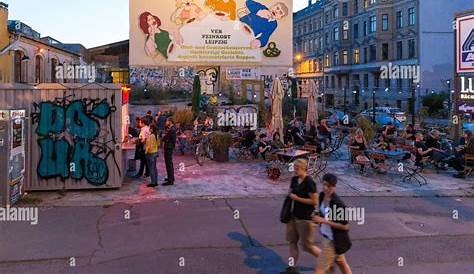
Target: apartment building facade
pixel 345 44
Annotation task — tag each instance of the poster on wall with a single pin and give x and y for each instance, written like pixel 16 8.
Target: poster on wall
pixel 465 44
pixel 170 32
pixel 16 172
pixel 241 74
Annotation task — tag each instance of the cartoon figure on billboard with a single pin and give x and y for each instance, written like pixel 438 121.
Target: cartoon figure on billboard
pixel 225 9
pixel 158 41
pixel 187 12
pixel 261 21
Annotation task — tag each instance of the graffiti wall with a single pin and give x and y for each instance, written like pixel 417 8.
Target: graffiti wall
pixel 75 136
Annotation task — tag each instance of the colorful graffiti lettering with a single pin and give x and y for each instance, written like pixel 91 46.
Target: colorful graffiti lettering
pixel 71 136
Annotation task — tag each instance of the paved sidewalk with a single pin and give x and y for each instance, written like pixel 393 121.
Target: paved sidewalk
pixel 248 179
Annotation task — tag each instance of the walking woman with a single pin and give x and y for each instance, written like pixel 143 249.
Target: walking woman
pixel 151 152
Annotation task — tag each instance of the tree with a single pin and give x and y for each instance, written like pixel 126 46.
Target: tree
pixel 435 102
pixel 196 100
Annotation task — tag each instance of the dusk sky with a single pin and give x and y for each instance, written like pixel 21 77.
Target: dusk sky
pixel 89 22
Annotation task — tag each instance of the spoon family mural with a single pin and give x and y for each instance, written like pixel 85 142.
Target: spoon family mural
pixel 204 31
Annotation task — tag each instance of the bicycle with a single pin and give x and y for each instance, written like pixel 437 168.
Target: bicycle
pixel 202 148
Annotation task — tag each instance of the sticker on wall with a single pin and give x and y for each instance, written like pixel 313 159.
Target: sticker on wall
pixel 272 50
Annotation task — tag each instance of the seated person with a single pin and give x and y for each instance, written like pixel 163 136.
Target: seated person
pixel 389 132
pixel 297 134
pixel 409 132
pixel 359 144
pixel 262 146
pixel 248 138
pixel 276 142
pixel 458 162
pixel 324 133
pixel 382 144
pixel 433 142
pixel 465 138
pixel 422 150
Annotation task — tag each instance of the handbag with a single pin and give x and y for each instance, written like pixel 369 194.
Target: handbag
pixel 286 210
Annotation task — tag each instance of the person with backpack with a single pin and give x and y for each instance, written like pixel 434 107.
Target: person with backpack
pixel 151 153
pixel 300 228
pixel 336 241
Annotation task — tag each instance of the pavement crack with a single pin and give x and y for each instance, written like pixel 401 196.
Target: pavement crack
pixel 241 221
pixel 99 236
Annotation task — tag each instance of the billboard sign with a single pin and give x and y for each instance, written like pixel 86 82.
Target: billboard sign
pixel 465 44
pixel 173 32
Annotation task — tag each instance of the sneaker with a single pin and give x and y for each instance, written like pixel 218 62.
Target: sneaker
pixel 168 183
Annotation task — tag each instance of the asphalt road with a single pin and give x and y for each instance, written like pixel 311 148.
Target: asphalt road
pixel 400 235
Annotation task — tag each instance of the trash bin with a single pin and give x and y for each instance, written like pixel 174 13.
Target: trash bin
pixel 12 155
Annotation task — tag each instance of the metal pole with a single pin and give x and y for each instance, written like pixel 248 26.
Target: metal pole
pixel 413 107
pixel 345 99
pixel 456 89
pixel 373 106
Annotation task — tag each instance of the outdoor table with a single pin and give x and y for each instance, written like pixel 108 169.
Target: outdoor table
pixel 292 154
pixel 390 154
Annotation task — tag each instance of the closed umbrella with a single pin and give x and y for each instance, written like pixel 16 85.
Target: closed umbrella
pixel 277 116
pixel 312 113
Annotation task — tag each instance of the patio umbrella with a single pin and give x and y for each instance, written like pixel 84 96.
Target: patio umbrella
pixel 277 115
pixel 312 113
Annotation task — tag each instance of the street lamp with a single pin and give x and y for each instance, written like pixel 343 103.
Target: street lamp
pixel 373 106
pixel 298 57
pixel 345 99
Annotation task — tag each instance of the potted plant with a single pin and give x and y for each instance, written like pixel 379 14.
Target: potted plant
pixel 220 143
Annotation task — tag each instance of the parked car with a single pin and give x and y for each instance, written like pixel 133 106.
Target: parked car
pixel 340 116
pixel 395 112
pixel 382 117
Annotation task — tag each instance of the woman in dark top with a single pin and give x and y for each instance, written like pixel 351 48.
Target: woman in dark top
pixel 422 150
pixel 359 145
pixel 410 132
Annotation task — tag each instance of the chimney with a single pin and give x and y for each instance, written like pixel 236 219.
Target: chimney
pixel 310 2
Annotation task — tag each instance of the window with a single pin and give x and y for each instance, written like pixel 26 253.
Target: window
pixel 399 50
pixel 366 55
pixel 376 80
pixel 366 3
pixel 365 28
pixel 373 2
pixel 411 16
pixel 411 48
pixel 326 40
pixel 399 84
pixel 344 9
pixel 345 34
pixel 388 83
pixel 356 6
pixel 356 56
pixel 373 53
pixel 38 69
pixel 326 15
pixel 356 31
pixel 336 34
pixel 366 80
pixel 345 57
pixel 321 22
pixel 336 58
pixel 18 66
pixel 333 81
pixel 54 64
pixel 321 42
pixel 399 19
pixel 326 61
pixel 385 22
pixel 385 51
pixel 335 11
pixel 373 24
pixel 311 45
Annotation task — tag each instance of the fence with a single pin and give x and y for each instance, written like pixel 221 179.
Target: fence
pixel 73 134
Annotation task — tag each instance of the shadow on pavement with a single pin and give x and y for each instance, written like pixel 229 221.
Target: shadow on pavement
pixel 264 260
